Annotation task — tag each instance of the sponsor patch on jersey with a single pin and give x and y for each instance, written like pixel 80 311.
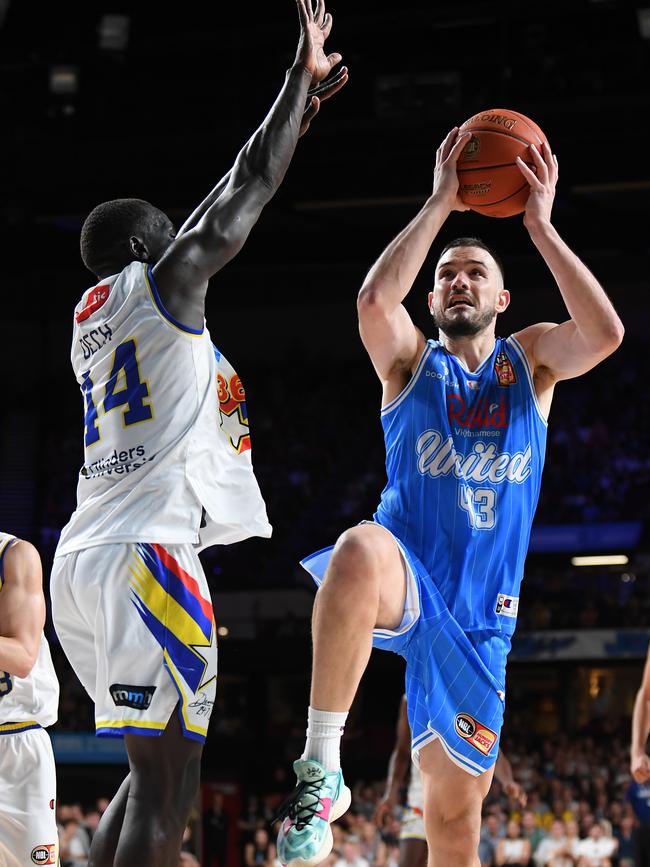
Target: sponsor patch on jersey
pixel 473 731
pixel 126 695
pixel 504 370
pixel 507 606
pixel 45 853
pixel 481 414
pixel 97 297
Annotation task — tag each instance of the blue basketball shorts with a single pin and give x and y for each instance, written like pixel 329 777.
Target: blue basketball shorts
pixel 455 680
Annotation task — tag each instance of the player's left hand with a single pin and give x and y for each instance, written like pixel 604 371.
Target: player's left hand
pixel 315 27
pixel 542 184
pixel 317 95
pixel 516 791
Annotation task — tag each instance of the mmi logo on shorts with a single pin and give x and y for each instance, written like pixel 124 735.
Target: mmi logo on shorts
pixel 44 854
pixel 476 733
pixel 137 697
pixel 507 606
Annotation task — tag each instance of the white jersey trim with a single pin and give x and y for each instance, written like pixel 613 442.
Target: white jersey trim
pixel 521 354
pixel 395 402
pixel 466 764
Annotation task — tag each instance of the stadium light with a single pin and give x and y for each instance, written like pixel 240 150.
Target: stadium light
pixel 113 32
pixel 601 560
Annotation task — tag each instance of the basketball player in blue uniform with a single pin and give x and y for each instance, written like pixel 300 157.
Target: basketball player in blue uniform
pixel 412 838
pixel 167 471
pixel 435 576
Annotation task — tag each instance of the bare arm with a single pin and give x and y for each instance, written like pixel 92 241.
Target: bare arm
pixel 22 609
pixel 503 773
pixel 315 95
pixel 398 766
pixel 594 330
pixel 388 333
pixel 223 226
pixel 640 762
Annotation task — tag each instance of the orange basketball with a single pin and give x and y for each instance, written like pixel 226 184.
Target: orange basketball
pixel 490 181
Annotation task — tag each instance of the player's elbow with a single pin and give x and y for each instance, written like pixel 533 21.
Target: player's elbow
pixel 611 335
pixel 24 665
pixel 370 298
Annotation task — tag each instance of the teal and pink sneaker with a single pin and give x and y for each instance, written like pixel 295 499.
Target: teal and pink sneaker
pixel 305 836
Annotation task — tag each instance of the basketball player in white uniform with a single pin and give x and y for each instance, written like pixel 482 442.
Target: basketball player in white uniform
pixel 167 471
pixel 413 841
pixel 29 699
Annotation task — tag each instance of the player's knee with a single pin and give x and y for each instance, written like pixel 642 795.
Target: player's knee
pixel 354 563
pixel 456 833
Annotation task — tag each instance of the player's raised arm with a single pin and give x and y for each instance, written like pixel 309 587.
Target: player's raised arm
pixel 183 271
pixel 398 766
pixel 315 96
pixel 594 330
pixel 388 333
pixel 22 612
pixel 640 761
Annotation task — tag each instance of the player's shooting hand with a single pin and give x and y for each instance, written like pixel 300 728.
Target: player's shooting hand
pixel 516 790
pixel 317 95
pixel 542 185
pixel 641 768
pixel 383 810
pixel 315 27
pixel 445 179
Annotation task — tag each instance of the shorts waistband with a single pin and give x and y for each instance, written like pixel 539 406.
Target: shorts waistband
pixel 14 728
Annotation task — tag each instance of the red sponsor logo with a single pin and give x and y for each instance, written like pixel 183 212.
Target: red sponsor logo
pixel 44 854
pixel 481 413
pixel 478 735
pixel 96 298
pixel 504 370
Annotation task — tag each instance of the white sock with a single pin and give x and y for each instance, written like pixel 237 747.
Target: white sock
pixel 324 731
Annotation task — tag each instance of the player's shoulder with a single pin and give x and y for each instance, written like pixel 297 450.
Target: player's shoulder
pixel 21 563
pixel 528 336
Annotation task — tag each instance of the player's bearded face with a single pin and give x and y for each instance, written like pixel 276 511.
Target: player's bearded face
pixel 465 299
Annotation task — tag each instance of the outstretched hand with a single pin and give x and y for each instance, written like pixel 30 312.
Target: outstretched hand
pixel 542 184
pixel 320 93
pixel 315 27
pixel 445 179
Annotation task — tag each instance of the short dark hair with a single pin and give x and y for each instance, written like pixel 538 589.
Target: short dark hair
pixel 474 242
pixel 107 229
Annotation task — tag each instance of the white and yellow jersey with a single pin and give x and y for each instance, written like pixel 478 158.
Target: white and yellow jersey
pixel 415 795
pixel 166 429
pixel 26 702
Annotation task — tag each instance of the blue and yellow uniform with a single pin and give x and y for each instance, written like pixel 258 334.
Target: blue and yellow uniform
pixel 464 458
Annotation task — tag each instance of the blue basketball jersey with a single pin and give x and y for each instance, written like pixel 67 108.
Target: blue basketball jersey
pixel 464 458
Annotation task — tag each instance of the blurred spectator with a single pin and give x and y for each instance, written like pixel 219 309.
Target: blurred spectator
pixel 638 795
pixel 627 843
pixel 554 850
pixel 74 844
pixel 597 849
pixel 513 849
pixel 531 828
pixel 260 852
pixel 351 854
pixel 215 833
pixel 491 832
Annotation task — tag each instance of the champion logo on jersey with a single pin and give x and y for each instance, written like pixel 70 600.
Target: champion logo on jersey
pixel 97 297
pixel 479 414
pixel 507 606
pixel 504 370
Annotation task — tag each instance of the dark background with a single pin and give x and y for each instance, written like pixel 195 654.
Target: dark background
pixel 162 118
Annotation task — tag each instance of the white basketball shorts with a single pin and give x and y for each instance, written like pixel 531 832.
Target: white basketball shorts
pixel 412 824
pixel 135 620
pixel 28 833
